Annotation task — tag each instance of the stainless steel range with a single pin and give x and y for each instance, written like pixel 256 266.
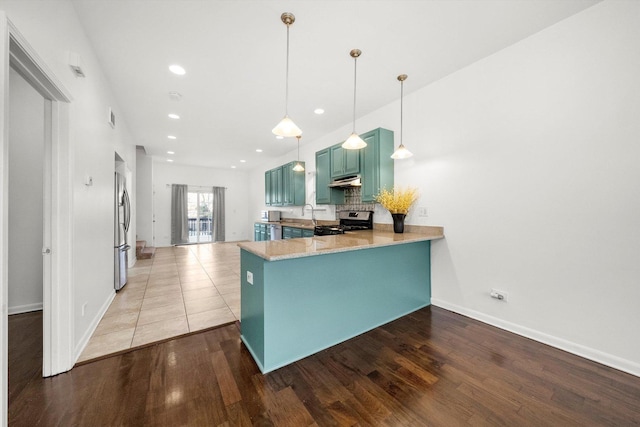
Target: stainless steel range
pixel 349 220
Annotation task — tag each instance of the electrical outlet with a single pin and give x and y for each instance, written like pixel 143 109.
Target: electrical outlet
pixel 499 295
pixel 422 211
pixel 250 277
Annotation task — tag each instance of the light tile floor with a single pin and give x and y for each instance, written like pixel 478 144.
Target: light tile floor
pixel 181 289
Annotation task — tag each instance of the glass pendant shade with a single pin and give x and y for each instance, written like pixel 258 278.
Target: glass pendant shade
pixel 354 142
pixel 286 127
pixel 401 153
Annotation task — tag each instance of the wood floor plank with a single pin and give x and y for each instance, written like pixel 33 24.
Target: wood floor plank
pixel 432 368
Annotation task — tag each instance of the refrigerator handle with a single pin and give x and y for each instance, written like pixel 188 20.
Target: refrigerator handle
pixel 127 209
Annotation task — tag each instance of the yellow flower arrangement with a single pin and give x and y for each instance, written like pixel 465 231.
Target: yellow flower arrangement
pixel 399 200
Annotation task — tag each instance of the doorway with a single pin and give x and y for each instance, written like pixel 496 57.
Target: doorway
pixel 26 225
pixel 200 214
pixel 56 249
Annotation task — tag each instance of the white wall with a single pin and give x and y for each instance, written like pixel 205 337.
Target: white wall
pixel 236 199
pixel 144 199
pixel 26 157
pixel 529 159
pixel 52 29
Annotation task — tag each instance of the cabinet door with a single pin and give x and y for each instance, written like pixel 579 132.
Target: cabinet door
pixel 307 233
pixel 288 186
pixel 298 185
pixel 370 173
pixel 276 187
pixel 351 162
pixel 344 162
pixel 293 185
pixel 337 161
pixel 324 194
pixel 377 166
pixel 267 188
pixel 286 232
pixel 323 177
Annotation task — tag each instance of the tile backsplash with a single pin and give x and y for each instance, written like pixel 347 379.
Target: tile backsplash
pixel 353 202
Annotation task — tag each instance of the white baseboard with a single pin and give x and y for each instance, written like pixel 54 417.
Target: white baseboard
pixel 92 327
pixel 607 359
pixel 18 309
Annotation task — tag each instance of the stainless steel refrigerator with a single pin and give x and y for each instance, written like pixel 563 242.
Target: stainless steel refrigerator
pixel 122 221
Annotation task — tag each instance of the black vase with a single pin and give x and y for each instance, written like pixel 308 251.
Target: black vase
pixel 398 222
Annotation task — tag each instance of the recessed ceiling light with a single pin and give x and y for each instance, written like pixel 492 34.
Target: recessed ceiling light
pixel 258 150
pixel 174 116
pixel 243 161
pixel 169 160
pixel 233 167
pixel 279 137
pixel 171 137
pixel 171 152
pixel 176 69
pixel 319 111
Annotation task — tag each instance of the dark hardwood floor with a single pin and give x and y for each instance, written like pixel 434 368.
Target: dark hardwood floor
pixel 431 368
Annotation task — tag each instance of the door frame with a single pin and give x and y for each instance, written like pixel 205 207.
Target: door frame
pixel 58 321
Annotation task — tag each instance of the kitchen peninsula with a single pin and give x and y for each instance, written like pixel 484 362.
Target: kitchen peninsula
pixel 301 296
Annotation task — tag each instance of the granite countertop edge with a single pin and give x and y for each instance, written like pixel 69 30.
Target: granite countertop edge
pixel 277 250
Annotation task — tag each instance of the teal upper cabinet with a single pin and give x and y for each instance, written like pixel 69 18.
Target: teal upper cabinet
pixel 344 162
pixel 284 187
pixel 276 186
pixel 293 185
pixel 376 167
pixel 373 163
pixel 324 194
pixel 267 188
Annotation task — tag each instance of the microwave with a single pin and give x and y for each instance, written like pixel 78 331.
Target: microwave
pixel 270 215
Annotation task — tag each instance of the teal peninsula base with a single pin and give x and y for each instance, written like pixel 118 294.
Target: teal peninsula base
pixel 299 306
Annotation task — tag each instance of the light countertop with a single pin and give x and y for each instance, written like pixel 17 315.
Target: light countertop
pixel 275 250
pixel 297 224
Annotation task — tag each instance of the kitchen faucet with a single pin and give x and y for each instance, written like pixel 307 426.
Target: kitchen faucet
pixel 313 214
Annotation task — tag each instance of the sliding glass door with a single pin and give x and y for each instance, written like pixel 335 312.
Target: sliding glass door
pixel 200 213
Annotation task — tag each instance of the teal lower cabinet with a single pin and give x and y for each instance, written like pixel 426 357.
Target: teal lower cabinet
pixel 297 307
pixel 261 232
pixel 295 232
pixel 291 232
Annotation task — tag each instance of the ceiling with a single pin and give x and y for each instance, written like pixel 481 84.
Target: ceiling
pixel 234 52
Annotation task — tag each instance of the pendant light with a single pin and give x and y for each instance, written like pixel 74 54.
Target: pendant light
pixel 298 167
pixel 354 142
pixel 286 127
pixel 401 152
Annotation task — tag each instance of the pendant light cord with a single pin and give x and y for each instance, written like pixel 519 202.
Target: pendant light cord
pixel 355 72
pixel 286 96
pixel 401 102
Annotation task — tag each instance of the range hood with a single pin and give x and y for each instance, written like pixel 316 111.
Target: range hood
pixel 346 182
